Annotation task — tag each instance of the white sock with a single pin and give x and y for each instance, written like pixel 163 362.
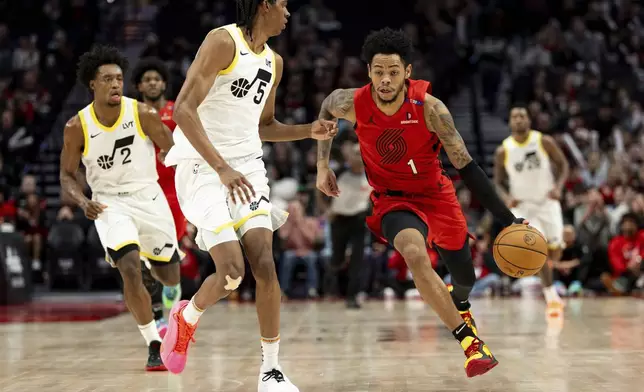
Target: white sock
pixel 551 294
pixel 149 332
pixel 191 312
pixel 270 352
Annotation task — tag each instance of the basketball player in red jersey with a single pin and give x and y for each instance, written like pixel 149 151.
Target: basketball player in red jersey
pixel 401 128
pixel 150 78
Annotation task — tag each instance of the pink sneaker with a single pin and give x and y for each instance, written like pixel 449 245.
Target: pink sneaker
pixel 174 348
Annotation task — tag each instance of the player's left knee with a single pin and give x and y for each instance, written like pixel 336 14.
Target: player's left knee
pixel 263 264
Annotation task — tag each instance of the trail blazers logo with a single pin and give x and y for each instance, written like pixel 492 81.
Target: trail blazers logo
pixel 530 161
pixel 391 146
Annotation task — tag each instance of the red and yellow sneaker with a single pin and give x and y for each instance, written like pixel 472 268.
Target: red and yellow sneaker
pixel 479 360
pixel 466 315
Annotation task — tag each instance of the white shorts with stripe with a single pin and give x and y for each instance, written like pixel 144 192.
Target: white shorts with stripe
pixel 140 218
pixel 206 202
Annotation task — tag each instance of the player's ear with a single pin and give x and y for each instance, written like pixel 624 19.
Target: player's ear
pixel 408 71
pixel 369 70
pixel 91 85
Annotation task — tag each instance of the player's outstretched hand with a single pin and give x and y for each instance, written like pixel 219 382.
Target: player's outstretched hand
pixel 324 129
pixel 326 182
pixel 92 209
pixel 238 186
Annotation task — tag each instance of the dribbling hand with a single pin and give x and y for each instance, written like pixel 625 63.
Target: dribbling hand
pixel 326 182
pixel 521 221
pixel 238 186
pixel 324 129
pixel 92 209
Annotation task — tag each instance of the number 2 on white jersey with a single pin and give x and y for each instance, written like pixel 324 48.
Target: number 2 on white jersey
pixel 413 166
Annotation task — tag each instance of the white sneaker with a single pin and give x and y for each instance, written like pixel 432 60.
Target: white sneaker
pixel 274 381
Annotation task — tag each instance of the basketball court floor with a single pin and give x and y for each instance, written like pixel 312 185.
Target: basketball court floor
pixel 388 347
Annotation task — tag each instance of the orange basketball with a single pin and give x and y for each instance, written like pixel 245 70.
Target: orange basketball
pixel 520 250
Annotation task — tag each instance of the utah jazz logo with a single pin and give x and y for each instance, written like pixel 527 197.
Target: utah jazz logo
pixel 391 146
pixel 157 251
pixel 242 86
pixel 107 161
pixel 530 161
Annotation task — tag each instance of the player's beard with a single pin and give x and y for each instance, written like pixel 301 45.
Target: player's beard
pixel 153 98
pixel 393 99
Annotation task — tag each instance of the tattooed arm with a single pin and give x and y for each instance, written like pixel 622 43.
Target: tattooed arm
pixel 438 117
pixel 339 104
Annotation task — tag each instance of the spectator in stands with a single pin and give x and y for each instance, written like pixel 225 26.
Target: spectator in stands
pixel 567 270
pixel 66 237
pixel 347 215
pixel 300 235
pixel 625 254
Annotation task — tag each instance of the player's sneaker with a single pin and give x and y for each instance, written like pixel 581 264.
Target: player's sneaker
pixel 274 381
pixel 162 327
pixel 171 295
pixel 154 358
pixel 466 315
pixel 174 349
pixel 555 309
pixel 479 358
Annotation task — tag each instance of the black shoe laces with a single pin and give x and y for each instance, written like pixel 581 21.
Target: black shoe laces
pixel 273 374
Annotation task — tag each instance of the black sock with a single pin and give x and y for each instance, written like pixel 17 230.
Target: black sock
pixel 157 309
pixel 461 305
pixel 463 331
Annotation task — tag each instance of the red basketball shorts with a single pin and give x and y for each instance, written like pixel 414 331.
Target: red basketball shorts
pixel 440 211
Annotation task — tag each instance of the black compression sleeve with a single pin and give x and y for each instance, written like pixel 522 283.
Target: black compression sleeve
pixel 483 189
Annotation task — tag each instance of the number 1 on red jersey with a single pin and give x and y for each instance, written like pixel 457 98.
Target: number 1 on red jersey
pixel 413 166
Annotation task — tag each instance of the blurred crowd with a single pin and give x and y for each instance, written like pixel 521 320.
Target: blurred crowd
pixel 576 65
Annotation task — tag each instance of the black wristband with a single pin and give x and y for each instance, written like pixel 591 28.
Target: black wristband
pixel 483 190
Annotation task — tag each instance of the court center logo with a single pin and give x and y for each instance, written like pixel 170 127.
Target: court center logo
pixel 391 146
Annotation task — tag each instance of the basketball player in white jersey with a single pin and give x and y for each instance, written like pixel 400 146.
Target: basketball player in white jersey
pixel 536 170
pixel 113 138
pixel 223 112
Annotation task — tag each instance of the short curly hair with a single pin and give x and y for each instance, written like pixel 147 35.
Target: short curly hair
pixel 150 64
pixel 89 62
pixel 387 41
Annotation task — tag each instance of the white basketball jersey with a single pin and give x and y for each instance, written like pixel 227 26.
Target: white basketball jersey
pixel 529 169
pixel 231 111
pixel 120 158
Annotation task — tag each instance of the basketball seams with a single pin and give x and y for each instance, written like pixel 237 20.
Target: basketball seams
pixel 496 250
pixel 519 267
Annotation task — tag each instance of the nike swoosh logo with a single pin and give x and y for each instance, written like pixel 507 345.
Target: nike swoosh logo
pixel 155 197
pixel 243 54
pixel 460 329
pixel 93 136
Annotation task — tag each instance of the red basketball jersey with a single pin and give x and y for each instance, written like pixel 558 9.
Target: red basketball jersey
pixel 166 174
pixel 399 151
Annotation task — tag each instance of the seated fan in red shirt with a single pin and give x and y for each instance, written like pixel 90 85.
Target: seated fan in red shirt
pixel 150 78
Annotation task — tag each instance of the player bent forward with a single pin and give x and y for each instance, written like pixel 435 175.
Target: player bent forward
pixel 401 128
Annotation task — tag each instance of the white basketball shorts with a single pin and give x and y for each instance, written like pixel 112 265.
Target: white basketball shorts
pixel 140 219
pixel 545 217
pixel 206 202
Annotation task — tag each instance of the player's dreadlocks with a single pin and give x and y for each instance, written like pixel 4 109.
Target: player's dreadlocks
pixel 246 11
pixel 89 62
pixel 387 41
pixel 150 64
